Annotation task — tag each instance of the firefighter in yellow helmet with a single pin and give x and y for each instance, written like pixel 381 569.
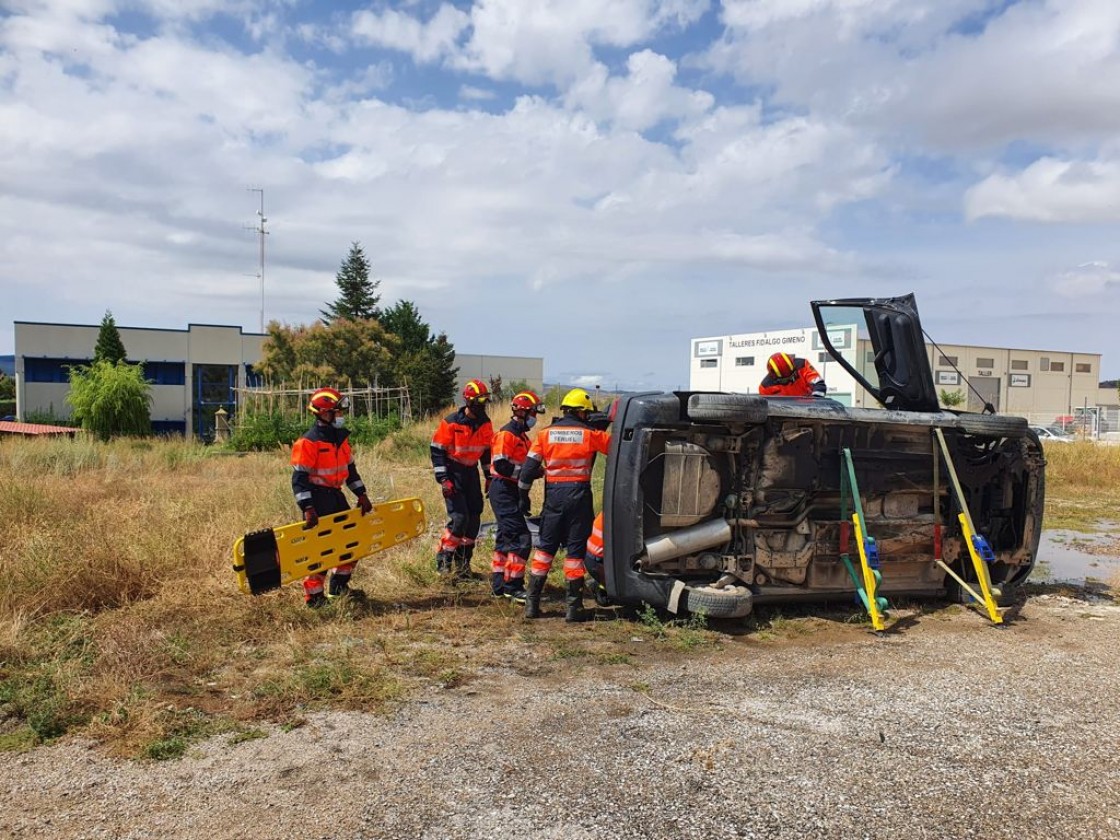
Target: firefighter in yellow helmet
pixel 321 463
pixel 460 446
pixel 565 453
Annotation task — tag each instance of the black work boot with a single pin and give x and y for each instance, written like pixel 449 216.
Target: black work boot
pixel 462 569
pixel 600 593
pixel 497 584
pixel 443 563
pixel 574 601
pixel 533 596
pixel 340 585
pixel 515 590
pixel 315 601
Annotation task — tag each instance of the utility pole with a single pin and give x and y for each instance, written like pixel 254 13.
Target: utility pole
pixel 261 234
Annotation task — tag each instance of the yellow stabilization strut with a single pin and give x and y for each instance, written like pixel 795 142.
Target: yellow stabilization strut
pixel 981 569
pixel 870 577
pixel 975 543
pixel 269 559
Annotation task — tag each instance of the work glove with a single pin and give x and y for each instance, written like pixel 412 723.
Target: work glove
pixel 526 504
pixel 487 481
pixel 310 518
pixel 364 504
pixel 448 488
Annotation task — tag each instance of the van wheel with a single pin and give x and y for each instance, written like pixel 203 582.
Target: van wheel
pixel 729 602
pixel 993 425
pixel 728 408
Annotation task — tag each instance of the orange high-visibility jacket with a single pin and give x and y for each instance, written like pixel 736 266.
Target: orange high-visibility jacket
pixel 595 541
pixel 322 458
pixel 804 382
pixel 567 451
pixel 509 451
pixel 461 441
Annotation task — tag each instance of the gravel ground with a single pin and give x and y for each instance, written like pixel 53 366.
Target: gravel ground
pixel 945 728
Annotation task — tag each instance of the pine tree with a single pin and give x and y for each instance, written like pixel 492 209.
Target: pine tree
pixel 358 298
pixel 109 346
pixel 423 362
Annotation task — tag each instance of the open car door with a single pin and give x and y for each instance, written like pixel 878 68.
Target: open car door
pixel 898 375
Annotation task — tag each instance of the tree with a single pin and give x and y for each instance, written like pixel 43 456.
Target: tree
pixel 7 395
pixel 358 298
pixel 403 320
pixel 951 398
pixel 109 347
pixel 111 399
pixel 345 351
pixel 424 363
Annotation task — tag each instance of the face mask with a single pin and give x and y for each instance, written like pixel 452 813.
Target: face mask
pixel 339 422
pixel 530 421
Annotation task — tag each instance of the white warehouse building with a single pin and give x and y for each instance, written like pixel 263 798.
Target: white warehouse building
pixel 1043 385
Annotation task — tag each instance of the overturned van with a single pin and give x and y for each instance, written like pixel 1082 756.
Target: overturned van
pixel 716 501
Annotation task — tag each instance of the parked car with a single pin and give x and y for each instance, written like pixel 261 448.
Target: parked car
pixel 717 501
pixel 1049 435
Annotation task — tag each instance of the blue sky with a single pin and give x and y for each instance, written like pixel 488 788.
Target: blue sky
pixel 595 183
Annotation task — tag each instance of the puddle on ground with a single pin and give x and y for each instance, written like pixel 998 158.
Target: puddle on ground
pixel 1076 557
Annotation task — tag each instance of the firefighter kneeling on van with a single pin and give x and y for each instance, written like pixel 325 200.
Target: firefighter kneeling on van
pixel 565 452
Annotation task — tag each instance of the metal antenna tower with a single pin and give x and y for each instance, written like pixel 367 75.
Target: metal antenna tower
pixel 261 234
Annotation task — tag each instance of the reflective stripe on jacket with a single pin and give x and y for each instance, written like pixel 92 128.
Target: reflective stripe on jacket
pixel 567 451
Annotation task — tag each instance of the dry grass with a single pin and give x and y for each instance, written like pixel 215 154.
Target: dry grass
pixel 1082 484
pixel 120 616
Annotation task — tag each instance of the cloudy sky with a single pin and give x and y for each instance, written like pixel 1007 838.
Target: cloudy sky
pixel 591 181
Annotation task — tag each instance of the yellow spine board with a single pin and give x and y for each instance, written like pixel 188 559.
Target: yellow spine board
pixel 294 552
pixel 868 578
pixel 981 571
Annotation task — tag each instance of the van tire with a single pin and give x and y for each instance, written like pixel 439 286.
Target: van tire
pixel 728 408
pixel 729 602
pixel 1003 425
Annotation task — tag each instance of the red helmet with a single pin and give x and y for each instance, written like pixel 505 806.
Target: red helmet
pixel 527 401
pixel 476 391
pixel 781 365
pixel 327 399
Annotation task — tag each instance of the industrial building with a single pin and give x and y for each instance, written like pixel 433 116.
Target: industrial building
pixel 1043 385
pixel 194 372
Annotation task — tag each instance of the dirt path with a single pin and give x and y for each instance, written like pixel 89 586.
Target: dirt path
pixel 947 728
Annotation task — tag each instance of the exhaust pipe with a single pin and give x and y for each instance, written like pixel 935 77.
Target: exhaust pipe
pixel 688 540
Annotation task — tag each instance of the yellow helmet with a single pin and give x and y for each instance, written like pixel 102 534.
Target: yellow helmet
pixel 577 399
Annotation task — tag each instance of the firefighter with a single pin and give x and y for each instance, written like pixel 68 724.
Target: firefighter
pixel 565 451
pixel 321 463
pixel 593 562
pixel 512 542
pixel 460 444
pixel 790 376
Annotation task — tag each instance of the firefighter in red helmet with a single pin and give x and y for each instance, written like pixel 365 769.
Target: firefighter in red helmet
pixel 512 542
pixel 790 376
pixel 321 463
pixel 460 445
pixel 565 452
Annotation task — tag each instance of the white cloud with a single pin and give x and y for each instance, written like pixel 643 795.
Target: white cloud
pixel 641 99
pixel 424 41
pixel 1050 190
pixel 549 42
pixel 1088 280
